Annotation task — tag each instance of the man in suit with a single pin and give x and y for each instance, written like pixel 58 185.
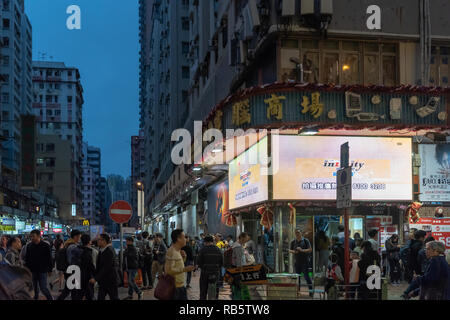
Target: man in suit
pixel 106 270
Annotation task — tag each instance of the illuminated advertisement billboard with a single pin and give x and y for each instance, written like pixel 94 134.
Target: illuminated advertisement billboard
pixel 247 184
pixel 307 167
pixel 434 172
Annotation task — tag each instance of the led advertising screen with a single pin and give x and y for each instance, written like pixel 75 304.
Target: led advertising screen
pixel 434 172
pixel 307 168
pixel 247 184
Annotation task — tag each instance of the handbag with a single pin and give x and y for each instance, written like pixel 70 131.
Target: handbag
pixel 165 289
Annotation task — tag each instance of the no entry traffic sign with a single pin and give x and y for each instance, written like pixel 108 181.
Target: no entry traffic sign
pixel 120 212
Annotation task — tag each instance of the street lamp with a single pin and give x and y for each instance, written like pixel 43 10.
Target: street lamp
pixel 141 215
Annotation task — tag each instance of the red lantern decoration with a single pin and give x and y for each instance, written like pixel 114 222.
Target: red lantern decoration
pixel 230 219
pixel 266 217
pixel 413 212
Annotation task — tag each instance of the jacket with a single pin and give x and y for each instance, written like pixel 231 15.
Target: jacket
pixel 87 266
pixel 367 260
pixel 161 257
pixel 414 264
pixel 71 248
pixel 392 250
pixel 433 284
pixel 106 270
pixel 238 256
pixel 131 258
pixel 38 257
pixel 13 257
pixel 189 253
pixel 210 260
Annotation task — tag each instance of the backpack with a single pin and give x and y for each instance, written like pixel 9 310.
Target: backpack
pixel 228 258
pixel 15 283
pixel 61 260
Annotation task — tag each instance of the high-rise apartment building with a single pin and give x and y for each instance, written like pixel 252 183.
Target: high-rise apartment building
pixel 88 189
pixel 165 73
pixel 58 106
pixel 137 172
pixel 16 87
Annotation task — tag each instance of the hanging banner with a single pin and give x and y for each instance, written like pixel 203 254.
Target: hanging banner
pixel 434 172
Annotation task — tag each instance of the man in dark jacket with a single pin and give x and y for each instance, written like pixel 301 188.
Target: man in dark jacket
pixel 210 261
pixel 147 255
pixel 87 268
pixel 131 266
pixel 38 259
pixel 416 245
pixel 72 255
pixel 159 256
pixel 106 270
pixel 189 260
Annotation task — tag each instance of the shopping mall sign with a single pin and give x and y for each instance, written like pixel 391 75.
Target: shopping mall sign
pixel 291 105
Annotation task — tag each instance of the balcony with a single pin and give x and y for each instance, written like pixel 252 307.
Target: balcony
pixel 53 105
pixel 37 105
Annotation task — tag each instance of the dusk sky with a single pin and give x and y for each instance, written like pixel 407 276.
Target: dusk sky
pixel 106 51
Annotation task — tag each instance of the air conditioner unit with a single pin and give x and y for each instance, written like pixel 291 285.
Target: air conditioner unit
pixel 310 7
pixel 288 9
pixel 307 7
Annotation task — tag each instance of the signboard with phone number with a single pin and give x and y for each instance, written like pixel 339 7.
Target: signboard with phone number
pixel 441 231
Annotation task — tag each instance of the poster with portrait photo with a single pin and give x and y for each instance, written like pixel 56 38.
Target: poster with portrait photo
pixel 218 205
pixel 434 172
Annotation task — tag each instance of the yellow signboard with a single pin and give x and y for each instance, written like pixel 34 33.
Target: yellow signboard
pixel 85 222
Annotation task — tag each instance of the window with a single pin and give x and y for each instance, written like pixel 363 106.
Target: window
pixel 185 24
pixel 348 62
pixel 48 99
pixel 5 60
pixel 6 24
pixel 41 98
pixel 69 73
pixel 184 96
pixel 50 147
pixel 50 162
pixel 57 112
pixel 41 86
pixel 185 72
pixel 39 161
pixel 69 86
pixel 6 42
pixel 440 71
pixel 69 99
pixel 185 47
pixel 56 99
pixel 57 86
pixel 5 97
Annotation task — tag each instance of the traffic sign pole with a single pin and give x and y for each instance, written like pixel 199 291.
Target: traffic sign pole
pixel 121 248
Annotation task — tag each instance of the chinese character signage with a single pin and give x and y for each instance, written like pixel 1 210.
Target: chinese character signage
pixel 28 151
pixel 435 172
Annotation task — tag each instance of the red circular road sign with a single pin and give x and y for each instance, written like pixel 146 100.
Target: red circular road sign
pixel 120 212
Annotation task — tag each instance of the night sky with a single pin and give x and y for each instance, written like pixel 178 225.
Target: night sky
pixel 106 51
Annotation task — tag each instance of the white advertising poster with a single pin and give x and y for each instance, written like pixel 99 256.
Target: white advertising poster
pixel 247 184
pixel 307 168
pixel 434 172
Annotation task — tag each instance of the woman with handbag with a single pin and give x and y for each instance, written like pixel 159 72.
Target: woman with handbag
pixel 175 269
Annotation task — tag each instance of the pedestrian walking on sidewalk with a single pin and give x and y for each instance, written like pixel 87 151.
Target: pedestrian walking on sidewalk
pixel 13 254
pixel 147 259
pixel 72 255
pixel 131 265
pixel 210 261
pixel 159 257
pixel 87 268
pixel 174 266
pixel 301 249
pixel 106 271
pixel 393 255
pixel 189 260
pixel 39 260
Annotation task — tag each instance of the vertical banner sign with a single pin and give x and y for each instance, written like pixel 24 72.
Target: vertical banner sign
pixel 28 167
pixel 441 231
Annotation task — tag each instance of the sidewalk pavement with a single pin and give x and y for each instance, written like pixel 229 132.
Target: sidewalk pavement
pixel 394 292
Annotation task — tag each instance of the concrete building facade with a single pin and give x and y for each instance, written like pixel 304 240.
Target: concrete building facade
pixel 137 171
pixel 16 87
pixel 58 106
pixel 238 44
